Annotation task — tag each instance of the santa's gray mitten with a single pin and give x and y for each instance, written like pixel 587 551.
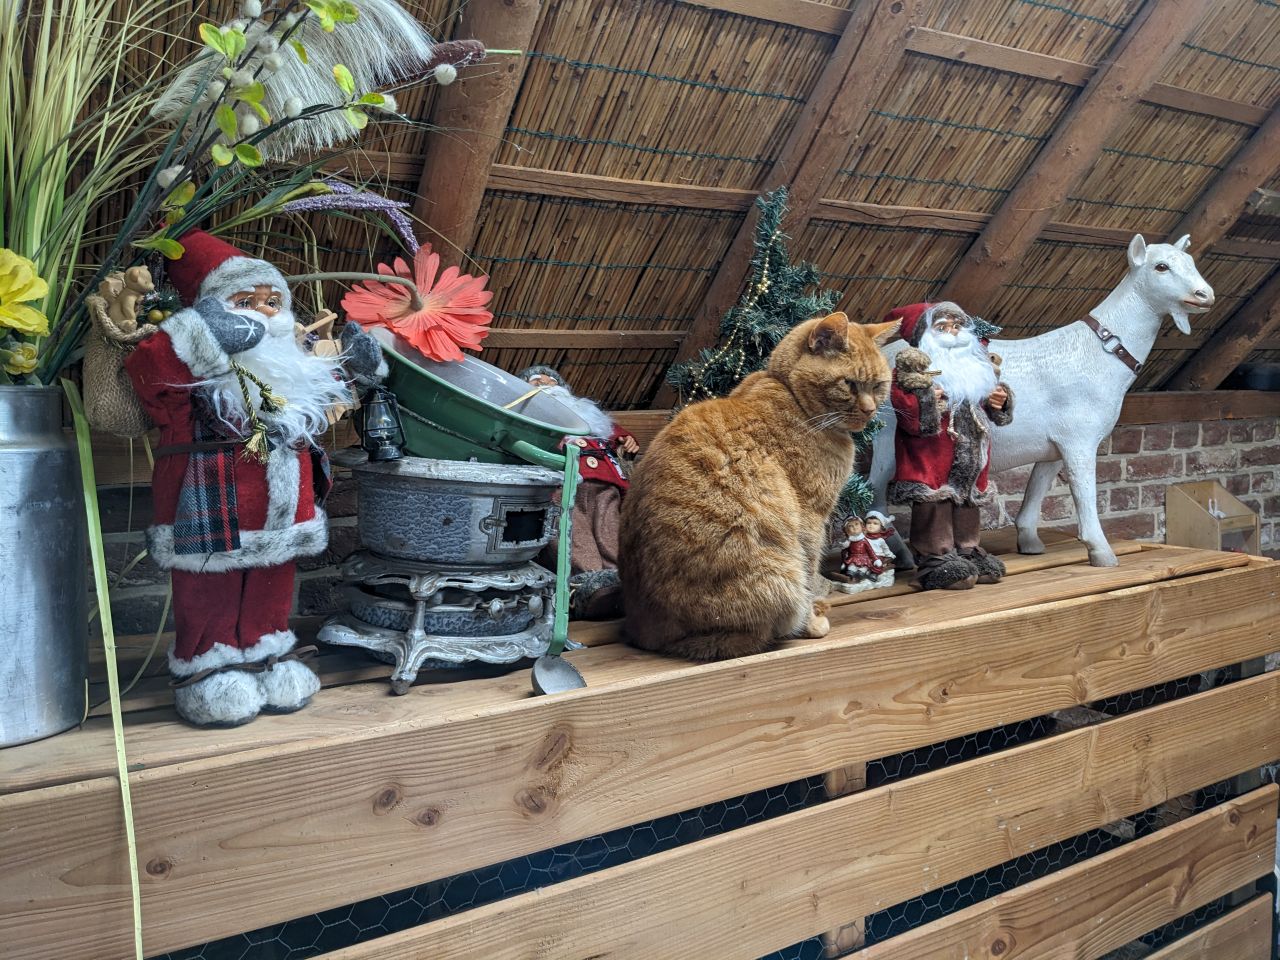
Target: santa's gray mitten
pixel 362 355
pixel 233 332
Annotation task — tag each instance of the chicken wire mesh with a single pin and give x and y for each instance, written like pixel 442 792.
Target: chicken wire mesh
pixel 328 930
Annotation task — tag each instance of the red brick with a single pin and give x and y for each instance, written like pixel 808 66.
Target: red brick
pixel 1153 495
pixel 1126 440
pixel 1126 498
pixel 1263 430
pixel 1057 508
pixel 1186 436
pixel 343 497
pixel 1013 481
pixel 1202 462
pixel 1133 526
pixel 1271 507
pixel 1237 484
pixel 1153 467
pixel 1262 483
pixel 1214 434
pixel 1157 436
pixel 1109 471
pixel 1260 456
pixel 1240 431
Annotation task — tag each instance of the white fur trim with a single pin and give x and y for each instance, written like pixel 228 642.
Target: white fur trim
pixel 258 548
pixel 222 700
pixel 283 487
pixel 243 273
pixel 195 346
pixel 223 654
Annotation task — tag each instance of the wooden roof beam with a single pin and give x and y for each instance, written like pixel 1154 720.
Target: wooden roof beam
pixel 870 49
pixel 1137 59
pixel 1253 323
pixel 472 114
pixel 1227 197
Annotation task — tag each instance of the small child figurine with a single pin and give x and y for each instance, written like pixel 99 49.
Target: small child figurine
pixel 859 560
pixel 878 528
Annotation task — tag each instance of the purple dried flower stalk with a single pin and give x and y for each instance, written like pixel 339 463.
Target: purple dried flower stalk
pixel 345 197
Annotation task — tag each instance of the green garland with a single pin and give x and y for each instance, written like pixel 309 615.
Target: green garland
pixel 779 295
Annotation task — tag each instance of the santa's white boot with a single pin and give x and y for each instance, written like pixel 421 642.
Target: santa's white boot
pixel 289 684
pixel 225 699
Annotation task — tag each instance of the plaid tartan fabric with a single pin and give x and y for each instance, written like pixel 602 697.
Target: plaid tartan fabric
pixel 205 519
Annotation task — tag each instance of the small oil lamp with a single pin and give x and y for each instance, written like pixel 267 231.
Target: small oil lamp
pixel 378 424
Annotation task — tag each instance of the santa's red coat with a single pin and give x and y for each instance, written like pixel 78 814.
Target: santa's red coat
pixel 600 458
pixel 925 449
pixel 275 506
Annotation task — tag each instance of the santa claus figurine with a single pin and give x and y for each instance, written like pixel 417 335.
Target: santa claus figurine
pixel 947 399
pixel 239 477
pixel 596 592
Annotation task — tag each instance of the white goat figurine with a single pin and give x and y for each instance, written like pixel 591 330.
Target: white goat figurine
pixel 1070 383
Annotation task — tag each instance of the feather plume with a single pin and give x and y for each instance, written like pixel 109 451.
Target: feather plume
pixel 383 46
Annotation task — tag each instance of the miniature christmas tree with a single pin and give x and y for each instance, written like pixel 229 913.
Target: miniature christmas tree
pixel 779 294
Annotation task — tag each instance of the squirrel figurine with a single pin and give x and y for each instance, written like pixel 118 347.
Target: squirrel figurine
pixel 123 293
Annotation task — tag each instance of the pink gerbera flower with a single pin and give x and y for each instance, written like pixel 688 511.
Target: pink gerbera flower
pixel 451 316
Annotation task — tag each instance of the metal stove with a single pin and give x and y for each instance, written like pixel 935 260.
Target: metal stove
pixel 446 575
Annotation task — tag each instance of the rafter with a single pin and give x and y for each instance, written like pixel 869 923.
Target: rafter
pixel 871 47
pixel 1253 323
pixel 1138 58
pixel 1227 197
pixel 473 115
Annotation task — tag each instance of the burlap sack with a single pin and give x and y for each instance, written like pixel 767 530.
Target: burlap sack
pixel 110 403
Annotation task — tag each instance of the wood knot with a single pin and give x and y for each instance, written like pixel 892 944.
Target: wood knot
pixel 1233 818
pixel 553 749
pixel 998 947
pixel 428 817
pixel 160 867
pixel 533 801
pixel 895 8
pixel 386 800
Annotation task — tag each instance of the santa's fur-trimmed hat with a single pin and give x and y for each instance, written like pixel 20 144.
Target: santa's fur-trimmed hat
pixel 917 316
pixel 210 267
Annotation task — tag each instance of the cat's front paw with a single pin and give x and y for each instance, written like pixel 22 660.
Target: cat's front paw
pixel 817 627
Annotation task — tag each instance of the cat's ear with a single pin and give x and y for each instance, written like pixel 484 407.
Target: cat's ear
pixel 882 333
pixel 831 335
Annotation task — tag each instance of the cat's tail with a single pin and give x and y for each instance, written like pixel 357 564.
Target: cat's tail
pixel 709 645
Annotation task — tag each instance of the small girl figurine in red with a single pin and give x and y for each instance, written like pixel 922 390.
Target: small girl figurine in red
pixel 859 561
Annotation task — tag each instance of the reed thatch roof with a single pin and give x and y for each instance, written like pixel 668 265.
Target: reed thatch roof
pixel 624 151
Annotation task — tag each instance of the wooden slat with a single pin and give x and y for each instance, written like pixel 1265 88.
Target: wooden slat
pixel 1253 322
pixel 751 891
pixel 808 14
pixel 983 53
pixel 614 339
pixel 1139 56
pixel 1242 934
pixel 872 42
pixel 454 784
pixel 1186 406
pixel 587 186
pixel 471 115
pixel 1091 908
pixel 1220 206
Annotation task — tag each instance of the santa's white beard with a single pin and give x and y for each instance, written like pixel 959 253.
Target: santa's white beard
pixel 311 386
pixel 966 373
pixel 597 420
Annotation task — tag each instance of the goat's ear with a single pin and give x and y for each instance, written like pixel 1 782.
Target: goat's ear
pixel 1137 251
pixel 882 333
pixel 1183 243
pixel 830 335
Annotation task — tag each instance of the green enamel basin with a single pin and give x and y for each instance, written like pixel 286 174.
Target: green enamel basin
pixel 457 410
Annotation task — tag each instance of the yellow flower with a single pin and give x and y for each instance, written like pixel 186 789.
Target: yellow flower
pixel 21 360
pixel 18 285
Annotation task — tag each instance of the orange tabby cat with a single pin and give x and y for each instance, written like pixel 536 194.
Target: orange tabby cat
pixel 724 525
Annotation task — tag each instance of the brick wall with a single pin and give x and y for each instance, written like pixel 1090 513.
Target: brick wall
pixel 1136 463
pixel 1134 466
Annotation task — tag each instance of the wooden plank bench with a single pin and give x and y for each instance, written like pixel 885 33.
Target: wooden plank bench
pixel 364 794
